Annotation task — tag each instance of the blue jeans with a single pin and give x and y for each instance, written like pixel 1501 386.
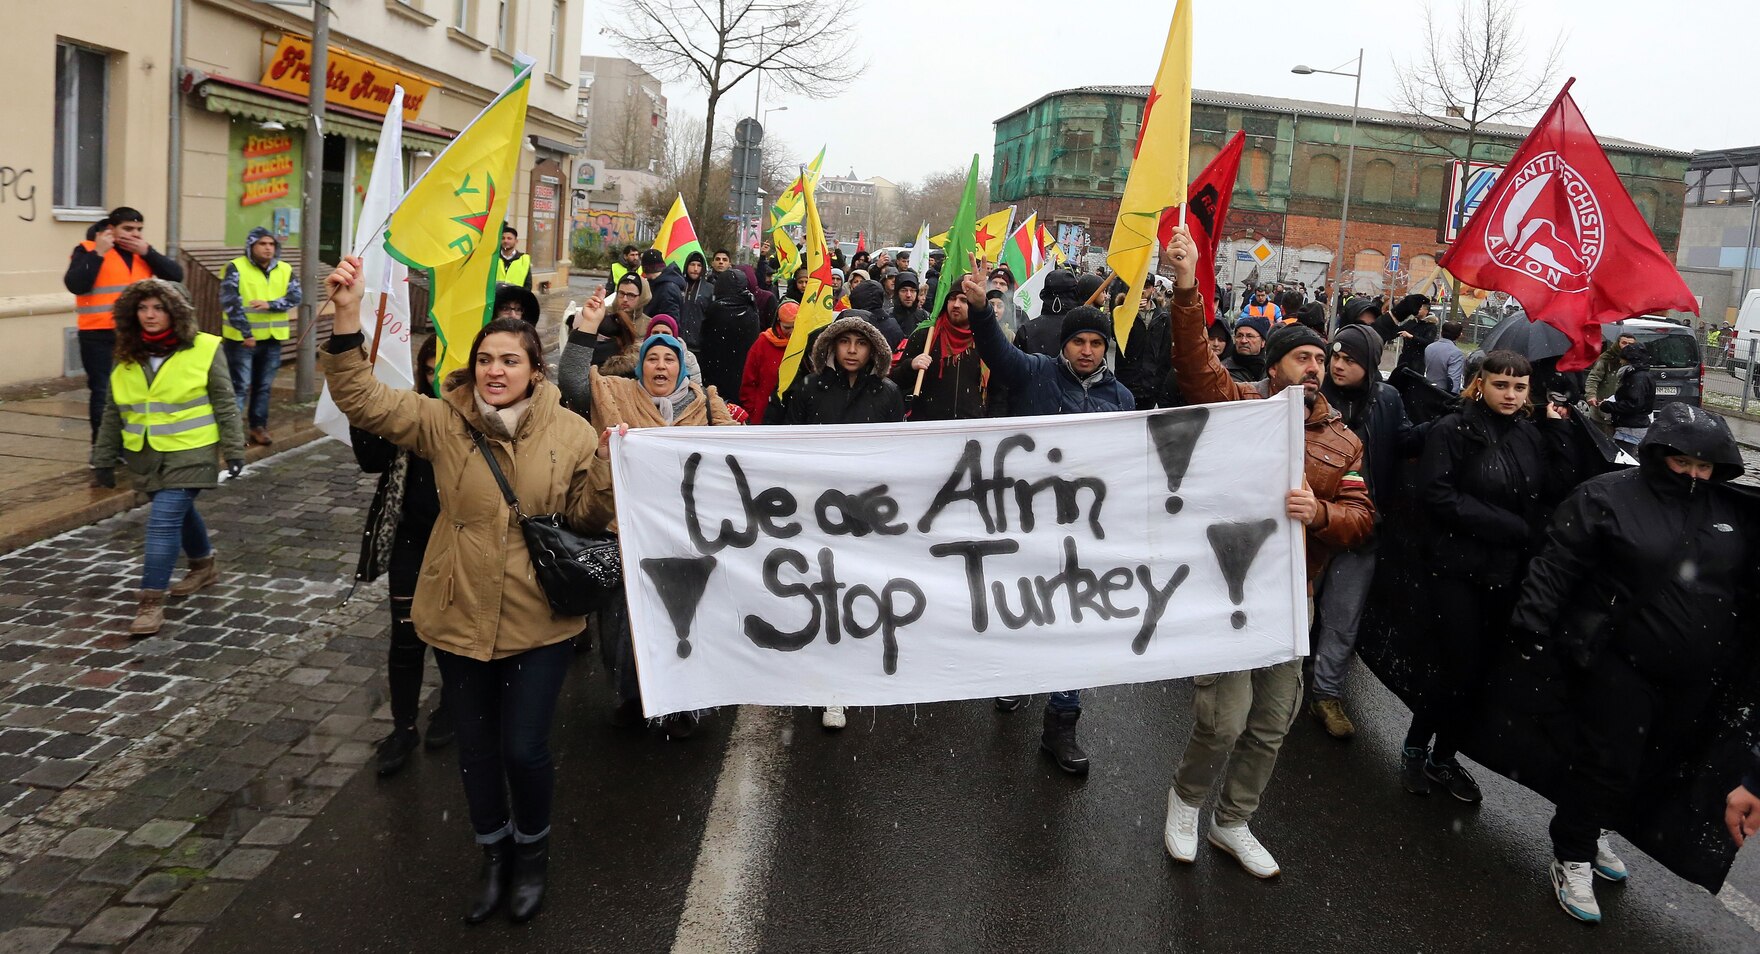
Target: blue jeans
pixel 502 710
pixel 172 524
pixel 97 352
pixel 253 374
pixel 1069 701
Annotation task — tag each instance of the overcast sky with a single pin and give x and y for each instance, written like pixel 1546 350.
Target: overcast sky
pixel 1683 81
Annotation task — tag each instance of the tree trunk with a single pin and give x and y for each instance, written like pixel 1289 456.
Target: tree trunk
pixel 702 199
pixel 1454 288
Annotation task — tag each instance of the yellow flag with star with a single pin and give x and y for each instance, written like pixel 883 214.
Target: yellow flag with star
pixel 449 223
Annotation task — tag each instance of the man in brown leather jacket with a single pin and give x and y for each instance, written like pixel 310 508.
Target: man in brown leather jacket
pixel 1241 718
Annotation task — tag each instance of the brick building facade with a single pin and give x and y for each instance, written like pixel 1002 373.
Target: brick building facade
pixel 1067 155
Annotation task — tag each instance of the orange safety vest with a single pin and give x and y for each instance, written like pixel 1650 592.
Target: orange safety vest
pixel 1266 311
pixel 94 307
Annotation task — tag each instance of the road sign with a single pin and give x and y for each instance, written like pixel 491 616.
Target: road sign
pixel 1481 176
pixel 1393 259
pixel 1262 251
pixel 748 160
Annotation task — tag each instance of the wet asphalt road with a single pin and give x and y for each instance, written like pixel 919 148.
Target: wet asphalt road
pixel 940 828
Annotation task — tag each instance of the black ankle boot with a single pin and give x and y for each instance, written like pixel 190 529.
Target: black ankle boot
pixel 530 865
pixel 492 882
pixel 440 730
pixel 1059 741
pixel 394 750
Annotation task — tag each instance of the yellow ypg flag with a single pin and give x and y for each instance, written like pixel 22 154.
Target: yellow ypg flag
pixel 449 223
pixel 788 258
pixel 816 304
pixel 788 209
pixel 988 236
pixel 1158 172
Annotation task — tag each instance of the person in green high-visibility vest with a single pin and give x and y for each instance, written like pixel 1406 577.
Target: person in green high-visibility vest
pixel 257 292
pixel 512 266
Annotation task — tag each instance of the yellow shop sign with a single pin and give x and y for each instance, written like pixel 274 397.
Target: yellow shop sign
pixel 352 81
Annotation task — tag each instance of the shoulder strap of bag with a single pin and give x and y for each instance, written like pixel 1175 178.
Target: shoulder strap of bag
pixel 495 468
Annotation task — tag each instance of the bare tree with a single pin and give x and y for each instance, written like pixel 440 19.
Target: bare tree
pixel 934 199
pixel 804 47
pixel 1473 70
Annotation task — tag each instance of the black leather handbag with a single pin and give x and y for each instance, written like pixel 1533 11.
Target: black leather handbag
pixel 579 573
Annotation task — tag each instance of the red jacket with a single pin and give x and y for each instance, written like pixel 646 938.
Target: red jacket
pixel 763 367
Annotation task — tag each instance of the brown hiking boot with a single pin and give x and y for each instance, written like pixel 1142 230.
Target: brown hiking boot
pixel 202 572
pixel 260 435
pixel 149 618
pixel 1330 712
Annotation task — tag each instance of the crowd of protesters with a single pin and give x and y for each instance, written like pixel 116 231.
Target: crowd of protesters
pixel 1631 576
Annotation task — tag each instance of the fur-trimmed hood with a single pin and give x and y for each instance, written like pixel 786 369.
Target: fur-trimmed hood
pixel 853 320
pixel 175 297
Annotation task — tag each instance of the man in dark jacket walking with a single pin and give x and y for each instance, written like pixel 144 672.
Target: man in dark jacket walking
pixel 1637 589
pixel 1634 396
pixel 665 285
pixel 907 304
pixel 1373 410
pixel 1241 718
pixel 1076 381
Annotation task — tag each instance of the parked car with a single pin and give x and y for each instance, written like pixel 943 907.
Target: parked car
pixel 1735 344
pixel 1674 356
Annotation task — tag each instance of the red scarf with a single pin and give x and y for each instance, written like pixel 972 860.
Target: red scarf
pixel 952 344
pixel 160 344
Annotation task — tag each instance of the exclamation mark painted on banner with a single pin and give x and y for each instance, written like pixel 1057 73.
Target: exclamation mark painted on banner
pixel 680 582
pixel 1175 435
pixel 1236 546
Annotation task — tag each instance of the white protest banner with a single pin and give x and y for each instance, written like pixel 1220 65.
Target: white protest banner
pixel 877 564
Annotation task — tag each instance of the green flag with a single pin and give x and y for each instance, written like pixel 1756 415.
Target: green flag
pixel 960 243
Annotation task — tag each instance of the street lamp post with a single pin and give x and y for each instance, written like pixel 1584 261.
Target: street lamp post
pixel 773 109
pixel 1350 156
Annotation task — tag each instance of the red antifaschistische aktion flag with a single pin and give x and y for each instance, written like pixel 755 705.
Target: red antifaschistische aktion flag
pixel 1560 233
pixel 1207 209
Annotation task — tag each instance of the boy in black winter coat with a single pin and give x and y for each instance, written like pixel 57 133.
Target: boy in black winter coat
pixel 848 384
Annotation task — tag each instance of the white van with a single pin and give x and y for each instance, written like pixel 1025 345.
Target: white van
pixel 1747 329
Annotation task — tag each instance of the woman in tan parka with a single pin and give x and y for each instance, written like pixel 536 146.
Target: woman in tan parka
pixel 502 652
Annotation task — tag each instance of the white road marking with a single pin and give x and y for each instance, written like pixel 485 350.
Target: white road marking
pixel 723 910
pixel 1740 905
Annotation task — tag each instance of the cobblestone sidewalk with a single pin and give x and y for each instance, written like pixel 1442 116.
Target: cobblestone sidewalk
pixel 144 782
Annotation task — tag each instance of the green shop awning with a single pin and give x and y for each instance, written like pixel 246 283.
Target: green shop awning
pixel 248 104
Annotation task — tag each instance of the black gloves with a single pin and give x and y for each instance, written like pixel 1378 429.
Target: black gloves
pixel 234 468
pixel 104 477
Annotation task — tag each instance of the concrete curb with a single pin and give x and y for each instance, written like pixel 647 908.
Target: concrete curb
pixel 15 538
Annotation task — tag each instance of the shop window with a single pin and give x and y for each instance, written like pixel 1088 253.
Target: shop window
pixel 1323 177
pixel 80 104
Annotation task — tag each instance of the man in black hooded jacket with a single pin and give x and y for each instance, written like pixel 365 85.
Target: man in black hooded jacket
pixel 1373 410
pixel 870 297
pixel 665 285
pixel 1634 397
pixel 1637 588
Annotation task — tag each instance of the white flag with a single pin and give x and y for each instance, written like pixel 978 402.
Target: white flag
pixel 920 255
pixel 1027 296
pixel 385 279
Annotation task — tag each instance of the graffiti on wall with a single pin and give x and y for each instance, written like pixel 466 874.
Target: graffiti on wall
pixel 599 229
pixel 18 195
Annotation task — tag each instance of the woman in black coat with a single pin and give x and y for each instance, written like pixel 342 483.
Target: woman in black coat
pixel 1488 479
pixel 1636 590
pixel 730 325
pixel 402 514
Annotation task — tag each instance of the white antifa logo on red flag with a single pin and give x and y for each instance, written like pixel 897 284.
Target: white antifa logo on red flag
pixel 1547 224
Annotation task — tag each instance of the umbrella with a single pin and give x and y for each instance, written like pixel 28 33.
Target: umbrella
pixel 1534 340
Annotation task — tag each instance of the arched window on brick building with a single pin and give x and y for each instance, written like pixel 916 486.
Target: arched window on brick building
pixel 1258 167
pixel 1378 182
pixel 1433 186
pixel 1323 176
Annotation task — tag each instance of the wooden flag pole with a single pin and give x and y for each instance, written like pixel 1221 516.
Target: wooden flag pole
pixel 378 331
pixel 929 339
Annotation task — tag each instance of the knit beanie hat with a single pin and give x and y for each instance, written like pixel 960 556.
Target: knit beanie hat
pixel 663 339
pixel 1409 306
pixel 1260 325
pixel 1288 338
pixel 787 310
pixel 1217 330
pixel 1081 319
pixel 663 323
pixel 1360 343
pixel 1313 314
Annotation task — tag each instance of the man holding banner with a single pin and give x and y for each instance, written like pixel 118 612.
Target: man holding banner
pixel 1241 718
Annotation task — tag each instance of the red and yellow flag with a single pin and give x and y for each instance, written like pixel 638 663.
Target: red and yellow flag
pixel 1158 170
pixel 817 304
pixel 677 238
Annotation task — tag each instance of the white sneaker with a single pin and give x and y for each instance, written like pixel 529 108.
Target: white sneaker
pixel 1239 842
pixel 833 717
pixel 1607 864
pixel 1575 887
pixel 1181 832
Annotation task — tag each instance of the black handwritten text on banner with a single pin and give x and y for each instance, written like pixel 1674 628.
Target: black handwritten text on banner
pixel 884 564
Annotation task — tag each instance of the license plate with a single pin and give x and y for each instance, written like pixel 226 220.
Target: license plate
pixel 1668 390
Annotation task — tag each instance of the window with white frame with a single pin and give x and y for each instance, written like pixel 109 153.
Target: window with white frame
pixel 81 100
pixel 461 15
pixel 503 24
pixel 558 20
